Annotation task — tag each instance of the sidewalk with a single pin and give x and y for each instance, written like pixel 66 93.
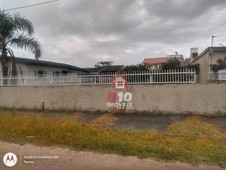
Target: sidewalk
pixel 30 157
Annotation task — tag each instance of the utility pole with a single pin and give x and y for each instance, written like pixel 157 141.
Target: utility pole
pixel 211 53
pixel 211 49
pixel 212 37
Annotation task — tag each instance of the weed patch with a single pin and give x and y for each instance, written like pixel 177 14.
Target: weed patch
pixel 192 140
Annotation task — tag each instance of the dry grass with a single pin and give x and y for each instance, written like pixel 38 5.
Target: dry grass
pixel 192 140
pixel 195 126
pixel 105 120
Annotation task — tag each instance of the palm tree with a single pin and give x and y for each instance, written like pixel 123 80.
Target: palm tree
pixel 15 31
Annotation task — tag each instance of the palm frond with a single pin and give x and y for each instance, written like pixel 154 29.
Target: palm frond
pixel 10 52
pixel 23 25
pixel 16 31
pixel 29 43
pixel 6 25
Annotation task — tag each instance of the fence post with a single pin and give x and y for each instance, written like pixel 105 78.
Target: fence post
pixel 50 81
pixel 151 78
pixel 220 77
pixel 195 76
pixel 25 83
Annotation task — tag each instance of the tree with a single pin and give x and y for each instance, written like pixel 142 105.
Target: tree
pixel 172 63
pixel 138 67
pixel 15 31
pixel 221 64
pixel 104 63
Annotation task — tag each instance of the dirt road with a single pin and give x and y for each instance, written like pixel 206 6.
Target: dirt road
pixel 30 157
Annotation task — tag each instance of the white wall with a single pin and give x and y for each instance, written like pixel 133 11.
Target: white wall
pixel 207 99
pixel 29 70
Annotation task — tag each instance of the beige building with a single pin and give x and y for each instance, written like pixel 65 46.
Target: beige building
pixel 209 56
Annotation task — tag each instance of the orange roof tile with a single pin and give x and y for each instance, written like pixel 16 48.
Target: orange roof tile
pixel 161 60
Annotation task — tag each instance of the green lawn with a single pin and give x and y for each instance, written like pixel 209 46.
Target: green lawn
pixel 192 140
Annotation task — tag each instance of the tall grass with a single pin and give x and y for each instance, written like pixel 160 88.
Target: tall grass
pixel 192 140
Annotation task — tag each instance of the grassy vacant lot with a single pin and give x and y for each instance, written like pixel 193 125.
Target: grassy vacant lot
pixel 191 140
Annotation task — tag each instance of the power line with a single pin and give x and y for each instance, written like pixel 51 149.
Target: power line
pixel 27 6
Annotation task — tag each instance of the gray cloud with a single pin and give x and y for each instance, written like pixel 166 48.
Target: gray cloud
pixel 182 9
pixel 83 32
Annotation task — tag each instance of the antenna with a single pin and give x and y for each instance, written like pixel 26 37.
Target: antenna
pixel 211 49
pixel 212 38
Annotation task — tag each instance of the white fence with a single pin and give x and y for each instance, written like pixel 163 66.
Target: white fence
pixel 219 76
pixel 149 77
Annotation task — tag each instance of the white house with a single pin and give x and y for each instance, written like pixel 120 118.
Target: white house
pixel 40 68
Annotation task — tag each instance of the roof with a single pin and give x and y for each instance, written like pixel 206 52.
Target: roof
pixel 161 60
pixel 209 49
pixel 114 68
pixel 47 63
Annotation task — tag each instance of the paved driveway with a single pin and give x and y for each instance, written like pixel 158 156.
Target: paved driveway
pixel 155 122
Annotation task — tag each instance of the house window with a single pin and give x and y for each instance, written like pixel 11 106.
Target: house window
pixel 56 73
pixel 65 72
pixel 40 73
pixel 194 55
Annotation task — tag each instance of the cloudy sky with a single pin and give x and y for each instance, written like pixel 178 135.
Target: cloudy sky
pixel 83 32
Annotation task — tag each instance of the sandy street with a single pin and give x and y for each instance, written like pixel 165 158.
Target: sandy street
pixel 30 157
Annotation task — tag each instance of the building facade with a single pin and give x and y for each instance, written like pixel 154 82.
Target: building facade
pixel 156 63
pixel 39 68
pixel 209 56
